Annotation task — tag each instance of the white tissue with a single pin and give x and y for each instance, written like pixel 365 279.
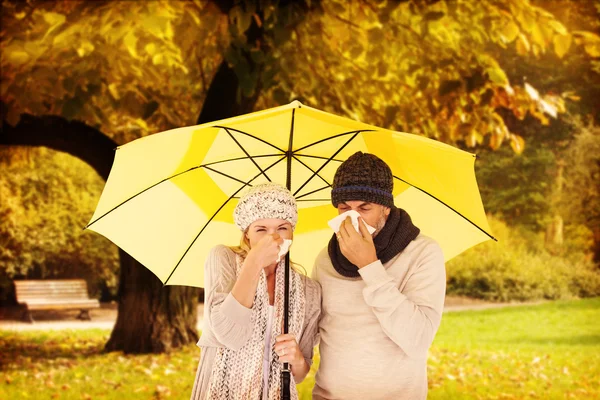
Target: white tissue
pixel 283 249
pixel 336 222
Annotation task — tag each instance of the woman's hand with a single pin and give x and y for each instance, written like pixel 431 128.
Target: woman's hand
pixel 286 347
pixel 265 252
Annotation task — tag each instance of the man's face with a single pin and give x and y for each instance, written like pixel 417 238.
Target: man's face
pixel 373 214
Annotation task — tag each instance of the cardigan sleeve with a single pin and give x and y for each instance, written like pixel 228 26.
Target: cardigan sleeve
pixel 229 321
pixel 409 318
pixel 310 334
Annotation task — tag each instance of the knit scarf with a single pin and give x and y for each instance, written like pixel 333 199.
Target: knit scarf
pixel 239 374
pixel 397 233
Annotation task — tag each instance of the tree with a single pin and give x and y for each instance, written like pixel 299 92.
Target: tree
pixel 581 194
pixel 151 68
pixel 151 318
pixel 432 68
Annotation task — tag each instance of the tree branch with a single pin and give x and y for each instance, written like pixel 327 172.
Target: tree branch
pixel 57 133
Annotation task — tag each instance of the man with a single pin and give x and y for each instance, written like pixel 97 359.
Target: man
pixel 383 294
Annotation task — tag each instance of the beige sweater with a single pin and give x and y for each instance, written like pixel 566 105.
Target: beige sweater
pixel 375 330
pixel 228 323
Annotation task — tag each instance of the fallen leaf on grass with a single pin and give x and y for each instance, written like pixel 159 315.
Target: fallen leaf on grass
pixel 162 391
pixel 141 389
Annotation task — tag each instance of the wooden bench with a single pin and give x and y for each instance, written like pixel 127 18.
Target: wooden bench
pixel 64 294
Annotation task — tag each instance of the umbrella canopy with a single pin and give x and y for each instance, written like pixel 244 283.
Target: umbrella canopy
pixel 170 196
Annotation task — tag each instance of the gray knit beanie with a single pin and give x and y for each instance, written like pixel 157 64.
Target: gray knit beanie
pixel 265 201
pixel 363 177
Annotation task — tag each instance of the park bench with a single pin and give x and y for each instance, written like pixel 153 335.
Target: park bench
pixel 64 294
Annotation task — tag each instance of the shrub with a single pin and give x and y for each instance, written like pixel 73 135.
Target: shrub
pixel 516 268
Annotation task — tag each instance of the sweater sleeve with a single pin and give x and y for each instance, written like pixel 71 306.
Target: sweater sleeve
pixel 229 321
pixel 310 334
pixel 410 318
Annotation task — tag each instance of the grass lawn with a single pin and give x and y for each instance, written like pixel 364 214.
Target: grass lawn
pixel 549 351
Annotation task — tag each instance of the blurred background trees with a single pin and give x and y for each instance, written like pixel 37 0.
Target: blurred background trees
pixel 515 81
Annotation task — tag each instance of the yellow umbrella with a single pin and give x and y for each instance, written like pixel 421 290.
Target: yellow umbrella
pixel 170 196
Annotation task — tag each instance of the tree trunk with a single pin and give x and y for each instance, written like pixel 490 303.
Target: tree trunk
pixel 152 318
pixel 554 230
pixel 596 248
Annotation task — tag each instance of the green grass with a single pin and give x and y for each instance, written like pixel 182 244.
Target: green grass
pixel 548 351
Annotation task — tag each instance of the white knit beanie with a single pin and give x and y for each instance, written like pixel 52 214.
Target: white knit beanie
pixel 265 201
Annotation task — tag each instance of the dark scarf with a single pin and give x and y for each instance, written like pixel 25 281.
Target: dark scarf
pixel 397 233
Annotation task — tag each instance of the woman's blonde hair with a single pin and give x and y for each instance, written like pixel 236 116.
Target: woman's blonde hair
pixel 244 248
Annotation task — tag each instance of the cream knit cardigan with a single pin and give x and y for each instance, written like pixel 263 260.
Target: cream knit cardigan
pixel 228 323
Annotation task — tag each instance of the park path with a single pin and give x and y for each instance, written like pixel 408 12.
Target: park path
pixel 105 317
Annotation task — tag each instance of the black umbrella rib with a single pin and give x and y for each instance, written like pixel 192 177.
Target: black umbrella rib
pixel 327 162
pixel 214 215
pixel 250 135
pixel 225 175
pixel 319 157
pixel 314 191
pixel 139 193
pixel 239 159
pixel 332 137
pixel 249 156
pixel 288 177
pixel 171 177
pixel 327 200
pixel 311 170
pixel 433 197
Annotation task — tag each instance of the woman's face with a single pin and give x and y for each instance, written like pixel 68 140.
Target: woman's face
pixel 259 228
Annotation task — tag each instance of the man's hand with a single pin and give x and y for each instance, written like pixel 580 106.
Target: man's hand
pixel 358 248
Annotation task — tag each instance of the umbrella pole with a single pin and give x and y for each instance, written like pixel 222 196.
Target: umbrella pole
pixel 285 372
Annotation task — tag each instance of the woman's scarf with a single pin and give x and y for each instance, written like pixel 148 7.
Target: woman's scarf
pixel 239 374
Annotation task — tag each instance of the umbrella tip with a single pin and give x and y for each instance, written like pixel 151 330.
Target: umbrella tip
pixel 296 104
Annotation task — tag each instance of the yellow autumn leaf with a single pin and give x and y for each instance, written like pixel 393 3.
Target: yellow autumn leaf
pixel 130 41
pixel 558 27
pixel 517 143
pixel 593 49
pixel 158 59
pixel 16 55
pixel 112 88
pixel 523 45
pixel 85 48
pixel 509 32
pixel 53 18
pixel 562 43
pixel 150 48
pixel 537 35
pixel 498 76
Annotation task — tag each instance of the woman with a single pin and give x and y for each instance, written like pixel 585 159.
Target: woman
pixel 242 345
